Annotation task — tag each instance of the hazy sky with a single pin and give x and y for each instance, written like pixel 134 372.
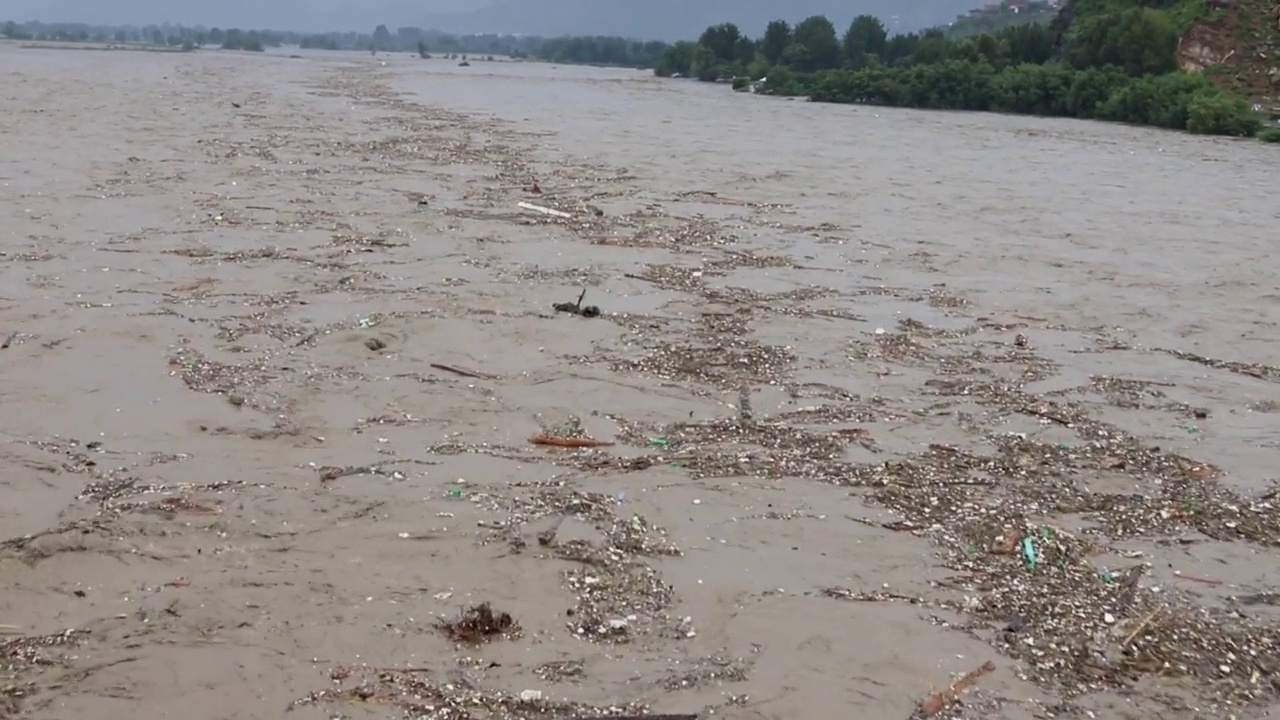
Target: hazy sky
pixel 644 19
pixel 280 14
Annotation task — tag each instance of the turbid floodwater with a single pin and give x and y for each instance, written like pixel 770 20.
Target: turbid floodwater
pixel 886 412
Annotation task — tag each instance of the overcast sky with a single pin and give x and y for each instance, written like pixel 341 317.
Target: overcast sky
pixel 644 19
pixel 303 15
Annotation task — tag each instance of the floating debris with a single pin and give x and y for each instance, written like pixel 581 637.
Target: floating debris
pixel 413 692
pixel 479 624
pixel 577 308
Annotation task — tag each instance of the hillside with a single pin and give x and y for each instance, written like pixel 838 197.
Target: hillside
pixel 680 19
pixel 991 19
pixel 1237 46
pixel 1234 43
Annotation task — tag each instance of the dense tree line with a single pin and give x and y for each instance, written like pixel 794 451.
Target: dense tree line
pixel 1113 60
pixel 176 36
pixel 614 51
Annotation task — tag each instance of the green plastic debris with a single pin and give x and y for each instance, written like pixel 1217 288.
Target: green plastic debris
pixel 1029 553
pixel 658 442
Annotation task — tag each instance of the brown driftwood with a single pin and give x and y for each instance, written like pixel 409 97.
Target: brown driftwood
pixel 568 442
pixel 949 696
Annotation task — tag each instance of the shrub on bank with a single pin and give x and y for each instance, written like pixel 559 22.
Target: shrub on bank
pixel 1271 135
pixel 1218 114
pixel 1176 101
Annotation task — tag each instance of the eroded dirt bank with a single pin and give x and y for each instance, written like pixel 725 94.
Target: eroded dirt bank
pixel 963 389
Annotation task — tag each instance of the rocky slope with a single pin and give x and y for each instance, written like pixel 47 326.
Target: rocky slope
pixel 1238 46
pixel 1235 43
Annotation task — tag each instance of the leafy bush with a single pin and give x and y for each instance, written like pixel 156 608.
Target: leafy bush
pixel 1212 113
pixel 1091 88
pixel 1271 135
pixel 1161 101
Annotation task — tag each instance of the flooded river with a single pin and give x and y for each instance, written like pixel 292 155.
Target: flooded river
pixel 887 396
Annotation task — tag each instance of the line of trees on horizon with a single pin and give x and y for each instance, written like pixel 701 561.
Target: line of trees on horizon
pixel 1113 61
pixel 166 35
pixel 593 50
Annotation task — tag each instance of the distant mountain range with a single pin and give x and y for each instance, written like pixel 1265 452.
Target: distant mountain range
pixel 648 20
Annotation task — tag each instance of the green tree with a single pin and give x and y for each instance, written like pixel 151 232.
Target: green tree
pixel 931 49
pixel 797 57
pixel 1143 41
pixel 901 48
pixel 989 49
pixel 777 36
pixel 1028 43
pixel 382 38
pixel 822 47
pixel 676 60
pixel 864 41
pixel 1032 90
pixel 705 65
pixel 722 41
pixel 1091 88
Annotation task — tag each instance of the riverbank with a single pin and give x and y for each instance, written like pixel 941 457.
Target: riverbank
pixel 1183 66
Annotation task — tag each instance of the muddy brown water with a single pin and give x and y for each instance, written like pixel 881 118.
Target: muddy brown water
pixel 218 279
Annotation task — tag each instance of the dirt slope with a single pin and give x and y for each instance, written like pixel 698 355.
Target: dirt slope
pixel 1238 46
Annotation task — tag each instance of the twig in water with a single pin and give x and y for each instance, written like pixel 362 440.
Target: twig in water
pixel 1202 580
pixel 1141 626
pixel 544 210
pixel 9 340
pixel 949 696
pixel 463 373
pixel 1047 416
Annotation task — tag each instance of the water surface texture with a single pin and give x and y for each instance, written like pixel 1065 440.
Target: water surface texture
pixel 891 395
